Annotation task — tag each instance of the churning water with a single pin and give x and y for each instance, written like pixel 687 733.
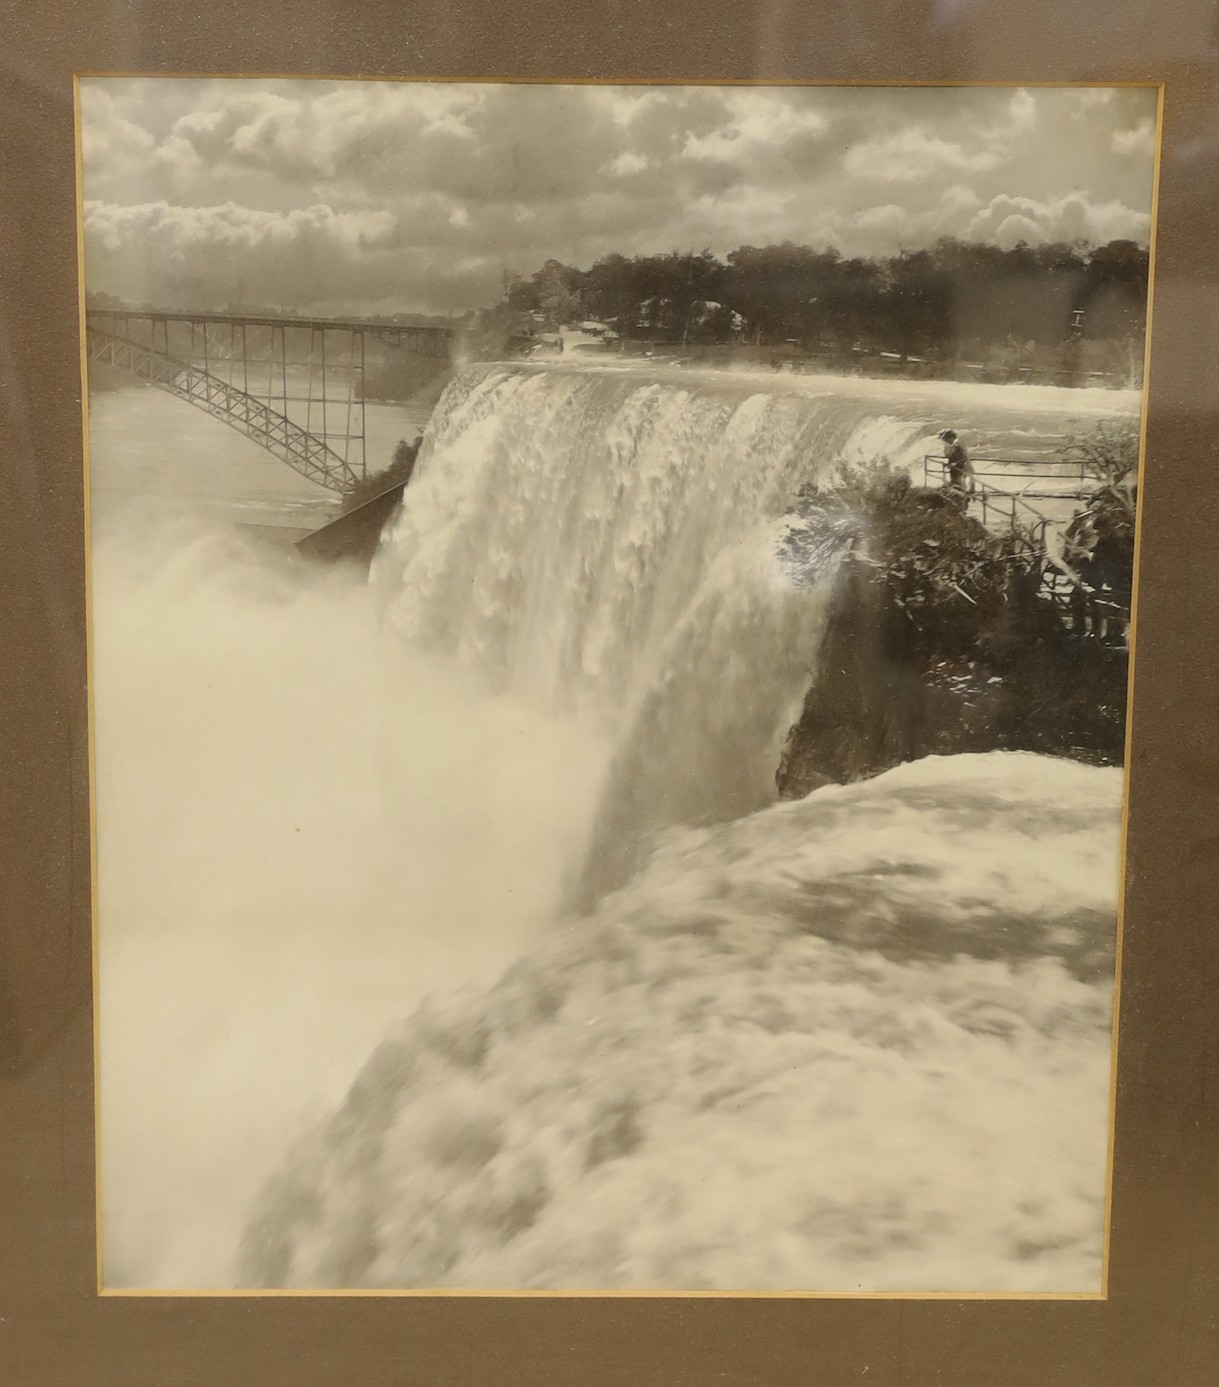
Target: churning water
pixel 493 835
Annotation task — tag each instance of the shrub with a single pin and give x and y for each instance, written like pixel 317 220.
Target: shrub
pixel 1099 541
pixel 960 587
pixel 371 486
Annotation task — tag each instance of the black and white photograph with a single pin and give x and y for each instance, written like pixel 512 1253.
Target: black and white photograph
pixel 611 643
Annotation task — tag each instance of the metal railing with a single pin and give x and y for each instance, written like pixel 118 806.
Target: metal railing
pixel 1076 483
pixel 1060 584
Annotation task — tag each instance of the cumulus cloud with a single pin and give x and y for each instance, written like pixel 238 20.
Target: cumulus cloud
pixel 420 195
pixel 959 199
pixel 1138 141
pixel 768 138
pixel 169 250
pixel 914 155
pixel 1022 112
pixel 1007 220
pixel 110 140
pixel 1090 97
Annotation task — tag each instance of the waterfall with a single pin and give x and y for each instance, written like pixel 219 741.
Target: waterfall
pixel 562 523
pixel 605 540
pixel 480 945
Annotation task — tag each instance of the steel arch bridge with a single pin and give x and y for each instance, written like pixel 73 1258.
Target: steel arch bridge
pixel 292 385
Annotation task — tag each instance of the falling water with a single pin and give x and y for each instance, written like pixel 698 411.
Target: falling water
pixel 561 523
pixel 605 541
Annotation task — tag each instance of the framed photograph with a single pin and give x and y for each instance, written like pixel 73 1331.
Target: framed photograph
pixel 634 747
pixel 621 651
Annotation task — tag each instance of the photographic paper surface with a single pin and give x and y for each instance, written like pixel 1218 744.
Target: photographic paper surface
pixel 611 614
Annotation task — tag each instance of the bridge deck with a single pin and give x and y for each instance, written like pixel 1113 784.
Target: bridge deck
pixel 275 321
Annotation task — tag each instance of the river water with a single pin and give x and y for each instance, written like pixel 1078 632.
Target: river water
pixel 493 835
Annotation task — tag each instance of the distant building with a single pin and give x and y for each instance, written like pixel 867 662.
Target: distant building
pixel 545 344
pixel 586 334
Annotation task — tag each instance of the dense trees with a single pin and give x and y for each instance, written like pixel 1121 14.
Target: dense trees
pixel 947 301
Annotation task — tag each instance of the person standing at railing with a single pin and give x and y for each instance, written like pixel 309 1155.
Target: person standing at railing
pixel 959 476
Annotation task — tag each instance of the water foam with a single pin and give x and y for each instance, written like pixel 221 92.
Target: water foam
pixel 851 1043
pixel 303 828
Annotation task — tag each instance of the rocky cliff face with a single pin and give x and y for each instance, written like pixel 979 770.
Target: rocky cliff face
pixel 887 691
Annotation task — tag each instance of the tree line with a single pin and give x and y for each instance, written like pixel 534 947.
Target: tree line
pixel 949 299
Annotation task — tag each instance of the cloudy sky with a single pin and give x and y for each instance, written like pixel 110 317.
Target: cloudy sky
pixel 384 196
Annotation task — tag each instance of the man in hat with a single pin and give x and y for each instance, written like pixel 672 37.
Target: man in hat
pixel 958 470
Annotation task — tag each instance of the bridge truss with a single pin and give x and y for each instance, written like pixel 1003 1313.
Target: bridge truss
pixel 295 386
